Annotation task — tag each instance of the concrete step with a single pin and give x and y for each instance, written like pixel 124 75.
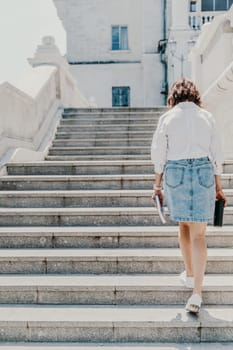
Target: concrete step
pixel 107 261
pixel 110 290
pixel 109 216
pixel 144 119
pixel 107 127
pixel 76 182
pixel 117 346
pixel 77 199
pixel 106 237
pixel 83 157
pixel 114 324
pixel 104 134
pixel 82 199
pixel 86 182
pixel 228 166
pixel 115 110
pixel 112 115
pixel 81 167
pixel 106 150
pixel 87 216
pixel 102 142
pixel 95 167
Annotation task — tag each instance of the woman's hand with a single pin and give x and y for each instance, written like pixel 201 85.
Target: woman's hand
pixel 158 189
pixel 220 195
pixel 161 197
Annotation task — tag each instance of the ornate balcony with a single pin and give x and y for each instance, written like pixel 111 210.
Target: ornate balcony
pixel 197 19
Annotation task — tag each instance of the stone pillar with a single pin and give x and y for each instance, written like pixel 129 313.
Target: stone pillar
pixel 66 86
pixel 47 53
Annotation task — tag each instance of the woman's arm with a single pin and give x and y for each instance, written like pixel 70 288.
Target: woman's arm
pixel 217 157
pixel 159 146
pixel 218 184
pixel 158 157
pixel 158 180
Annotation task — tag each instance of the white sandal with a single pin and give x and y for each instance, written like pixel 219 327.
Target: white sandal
pixel 187 281
pixel 194 303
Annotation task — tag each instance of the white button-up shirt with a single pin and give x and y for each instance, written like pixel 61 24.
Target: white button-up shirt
pixel 186 131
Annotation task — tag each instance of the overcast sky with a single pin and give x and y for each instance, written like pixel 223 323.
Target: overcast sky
pixel 22 25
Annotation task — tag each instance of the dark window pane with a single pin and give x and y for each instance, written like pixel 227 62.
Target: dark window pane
pixel 230 3
pixel 121 96
pixel 114 97
pixel 124 38
pixel 193 6
pixel 115 38
pixel 220 5
pixel 207 5
pixel 124 97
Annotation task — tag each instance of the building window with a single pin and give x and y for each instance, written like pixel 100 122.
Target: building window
pixel 120 96
pixel 216 5
pixel 119 38
pixel 207 5
pixel 193 6
pixel 220 5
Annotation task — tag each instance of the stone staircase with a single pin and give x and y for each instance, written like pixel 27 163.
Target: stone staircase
pixel 84 260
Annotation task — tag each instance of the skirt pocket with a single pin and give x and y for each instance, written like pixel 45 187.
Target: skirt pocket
pixel 205 176
pixel 174 176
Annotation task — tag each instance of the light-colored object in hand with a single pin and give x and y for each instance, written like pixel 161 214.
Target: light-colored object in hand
pixel 160 209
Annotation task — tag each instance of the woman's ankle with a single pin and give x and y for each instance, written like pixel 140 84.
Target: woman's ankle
pixel 189 275
pixel 197 291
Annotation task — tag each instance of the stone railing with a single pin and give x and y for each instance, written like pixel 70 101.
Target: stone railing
pixel 197 19
pixel 29 113
pixel 212 70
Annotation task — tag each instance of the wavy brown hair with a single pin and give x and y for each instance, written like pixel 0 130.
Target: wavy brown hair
pixel 183 90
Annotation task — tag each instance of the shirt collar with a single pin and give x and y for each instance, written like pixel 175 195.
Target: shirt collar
pixel 186 104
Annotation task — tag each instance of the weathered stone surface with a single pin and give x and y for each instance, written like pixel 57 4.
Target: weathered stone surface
pixel 91 262
pixel 110 290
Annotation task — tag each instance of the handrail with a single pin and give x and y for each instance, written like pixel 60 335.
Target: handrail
pixel 212 71
pixel 30 112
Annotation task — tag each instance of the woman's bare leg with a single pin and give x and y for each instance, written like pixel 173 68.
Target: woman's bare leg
pixel 185 246
pixel 199 253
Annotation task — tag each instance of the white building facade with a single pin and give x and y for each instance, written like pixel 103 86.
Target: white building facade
pixel 112 47
pixel 128 52
pixel 185 20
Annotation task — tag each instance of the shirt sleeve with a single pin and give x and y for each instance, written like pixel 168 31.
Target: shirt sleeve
pixel 216 151
pixel 159 147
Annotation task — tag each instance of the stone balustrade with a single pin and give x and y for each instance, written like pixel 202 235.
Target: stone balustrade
pixel 212 70
pixel 197 19
pixel 29 112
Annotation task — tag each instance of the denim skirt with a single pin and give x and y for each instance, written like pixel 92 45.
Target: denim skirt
pixel 189 189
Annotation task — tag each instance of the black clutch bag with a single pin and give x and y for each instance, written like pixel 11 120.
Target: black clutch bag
pixel 218 212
